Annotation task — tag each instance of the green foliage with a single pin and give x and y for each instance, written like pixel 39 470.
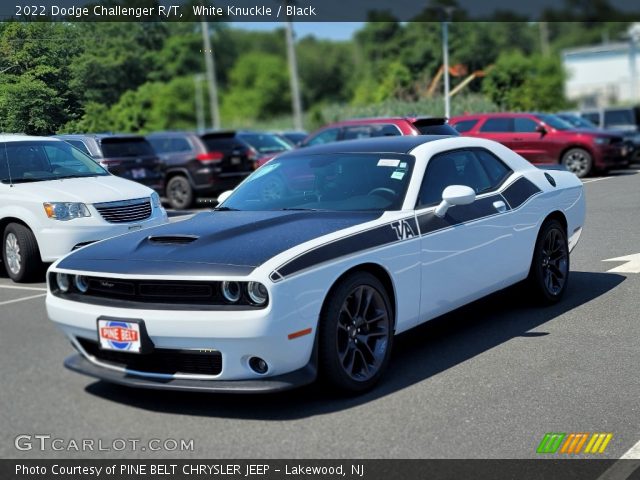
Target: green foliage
pixel 518 82
pixel 258 88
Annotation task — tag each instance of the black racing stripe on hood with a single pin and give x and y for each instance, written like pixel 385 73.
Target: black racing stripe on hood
pixel 225 242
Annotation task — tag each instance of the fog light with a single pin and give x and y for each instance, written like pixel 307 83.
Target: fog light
pixel 258 365
pixel 82 283
pixel 257 293
pixel 231 291
pixel 63 280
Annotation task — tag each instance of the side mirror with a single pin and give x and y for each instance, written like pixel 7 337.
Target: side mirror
pixel 541 129
pixel 455 195
pixel 224 195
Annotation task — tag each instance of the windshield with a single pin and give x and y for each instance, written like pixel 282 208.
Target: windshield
pixel 265 143
pixel 555 122
pixel 35 161
pixel 334 182
pixel 577 122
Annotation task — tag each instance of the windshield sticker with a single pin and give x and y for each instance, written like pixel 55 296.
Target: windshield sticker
pixel 398 175
pixel 388 162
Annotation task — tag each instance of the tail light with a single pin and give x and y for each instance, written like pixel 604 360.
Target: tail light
pixel 110 163
pixel 209 157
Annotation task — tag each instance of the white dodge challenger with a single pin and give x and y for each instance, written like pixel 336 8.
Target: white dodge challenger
pixel 313 264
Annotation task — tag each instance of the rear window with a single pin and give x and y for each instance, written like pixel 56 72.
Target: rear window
pixel 444 129
pixel 465 125
pixel 125 147
pixel 170 144
pixel 222 143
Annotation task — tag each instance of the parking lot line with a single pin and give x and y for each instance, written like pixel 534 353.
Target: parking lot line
pixel 15 287
pixel 15 300
pixel 596 179
pixel 633 453
pixel 623 470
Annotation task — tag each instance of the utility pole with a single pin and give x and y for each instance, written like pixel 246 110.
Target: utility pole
pixel 445 60
pixel 211 75
pixel 199 101
pixel 296 101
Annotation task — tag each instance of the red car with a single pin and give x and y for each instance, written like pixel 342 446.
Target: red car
pixel 379 127
pixel 546 139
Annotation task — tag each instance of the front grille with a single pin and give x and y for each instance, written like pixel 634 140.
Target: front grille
pixel 161 294
pixel 125 211
pixel 161 360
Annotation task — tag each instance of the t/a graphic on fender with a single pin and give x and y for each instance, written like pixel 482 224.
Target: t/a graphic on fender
pixel 366 239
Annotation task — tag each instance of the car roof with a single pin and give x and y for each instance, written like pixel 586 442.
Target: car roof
pixel 398 119
pixel 19 137
pixel 99 136
pixel 399 144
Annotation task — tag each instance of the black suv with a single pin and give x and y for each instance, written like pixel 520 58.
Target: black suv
pixel 203 164
pixel 127 156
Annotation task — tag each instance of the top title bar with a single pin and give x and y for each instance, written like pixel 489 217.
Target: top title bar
pixel 319 10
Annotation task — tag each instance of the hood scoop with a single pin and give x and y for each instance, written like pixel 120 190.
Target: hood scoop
pixel 172 239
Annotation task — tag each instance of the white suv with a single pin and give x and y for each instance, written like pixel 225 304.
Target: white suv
pixel 54 199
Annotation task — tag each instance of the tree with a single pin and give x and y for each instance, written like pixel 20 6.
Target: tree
pixel 258 88
pixel 518 82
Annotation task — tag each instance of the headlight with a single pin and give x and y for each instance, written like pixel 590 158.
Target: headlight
pixel 155 200
pixel 63 280
pixel 601 140
pixel 82 283
pixel 257 293
pixel 231 291
pixel 66 210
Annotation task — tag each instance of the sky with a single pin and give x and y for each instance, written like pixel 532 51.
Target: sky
pixel 324 30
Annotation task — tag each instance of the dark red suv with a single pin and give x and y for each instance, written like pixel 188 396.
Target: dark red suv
pixel 378 127
pixel 546 139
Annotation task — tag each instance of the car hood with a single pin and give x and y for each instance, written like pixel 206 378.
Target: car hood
pixel 212 243
pixel 86 190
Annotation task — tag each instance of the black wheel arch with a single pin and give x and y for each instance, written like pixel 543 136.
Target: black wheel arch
pixel 377 271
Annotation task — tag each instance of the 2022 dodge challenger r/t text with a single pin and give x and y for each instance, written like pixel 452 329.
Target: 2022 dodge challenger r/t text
pixel 313 264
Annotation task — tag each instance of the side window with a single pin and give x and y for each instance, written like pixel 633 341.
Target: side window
pixel 160 144
pixel 524 125
pixel 497 125
pixel 618 117
pixel 179 145
pixel 327 136
pixel 381 130
pixel 493 166
pixel 79 145
pixel 359 131
pixel 458 167
pixel 465 125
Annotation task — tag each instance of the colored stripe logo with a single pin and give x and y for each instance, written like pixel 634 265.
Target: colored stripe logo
pixel 573 443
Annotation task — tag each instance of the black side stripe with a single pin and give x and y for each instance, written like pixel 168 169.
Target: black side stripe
pixel 514 196
pixel 376 237
pixel 520 191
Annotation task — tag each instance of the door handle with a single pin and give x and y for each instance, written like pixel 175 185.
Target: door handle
pixel 500 206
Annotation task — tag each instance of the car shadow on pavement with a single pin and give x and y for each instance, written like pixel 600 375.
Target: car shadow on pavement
pixel 419 354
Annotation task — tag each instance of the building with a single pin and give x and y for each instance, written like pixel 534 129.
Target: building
pixel 603 75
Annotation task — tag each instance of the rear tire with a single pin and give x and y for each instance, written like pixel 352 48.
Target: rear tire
pixel 355 334
pixel 20 253
pixel 179 193
pixel 578 161
pixel 549 273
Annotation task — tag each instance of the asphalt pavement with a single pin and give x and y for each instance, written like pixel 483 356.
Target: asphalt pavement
pixel 486 381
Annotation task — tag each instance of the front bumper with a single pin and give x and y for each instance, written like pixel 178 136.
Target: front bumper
pixel 59 238
pixel 611 157
pixel 278 383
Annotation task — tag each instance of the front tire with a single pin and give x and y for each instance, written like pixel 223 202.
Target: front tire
pixel 578 161
pixel 179 193
pixel 355 334
pixel 549 273
pixel 20 253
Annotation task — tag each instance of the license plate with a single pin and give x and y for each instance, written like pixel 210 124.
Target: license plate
pixel 119 335
pixel 236 160
pixel 137 173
